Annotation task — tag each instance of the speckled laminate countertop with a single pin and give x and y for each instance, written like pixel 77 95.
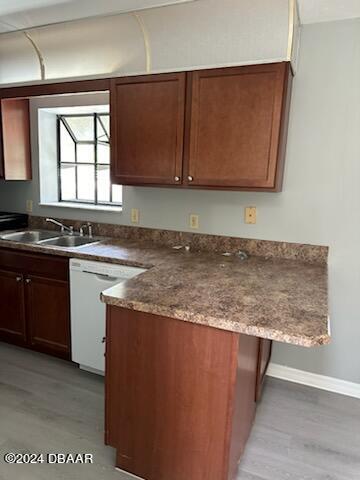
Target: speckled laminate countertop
pixel 283 300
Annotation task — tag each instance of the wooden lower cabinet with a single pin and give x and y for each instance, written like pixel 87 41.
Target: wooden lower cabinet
pixel 180 397
pixel 12 308
pixel 34 302
pixel 47 302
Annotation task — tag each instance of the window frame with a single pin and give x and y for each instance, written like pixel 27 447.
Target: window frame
pixel 61 120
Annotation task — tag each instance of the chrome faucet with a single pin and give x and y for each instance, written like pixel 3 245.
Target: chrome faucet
pixel 89 227
pixel 63 227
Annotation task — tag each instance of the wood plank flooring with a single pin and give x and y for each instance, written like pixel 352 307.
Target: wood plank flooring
pixel 47 405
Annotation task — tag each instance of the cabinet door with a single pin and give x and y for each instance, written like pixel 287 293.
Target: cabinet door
pixel 48 313
pixel 147 125
pixel 238 127
pixel 12 316
pixel 15 157
pixel 265 348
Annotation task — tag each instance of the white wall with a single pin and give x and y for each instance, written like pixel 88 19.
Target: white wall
pixel 320 203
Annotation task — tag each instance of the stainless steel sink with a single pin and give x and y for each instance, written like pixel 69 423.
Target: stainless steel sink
pixel 46 237
pixel 69 241
pixel 29 236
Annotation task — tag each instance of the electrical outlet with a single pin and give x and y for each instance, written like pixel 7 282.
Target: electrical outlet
pixel 194 221
pixel 250 215
pixel 29 206
pixel 135 215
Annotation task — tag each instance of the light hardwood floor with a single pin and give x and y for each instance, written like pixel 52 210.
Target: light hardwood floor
pixel 47 405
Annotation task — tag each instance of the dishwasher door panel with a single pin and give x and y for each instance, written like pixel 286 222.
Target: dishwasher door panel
pixel 88 318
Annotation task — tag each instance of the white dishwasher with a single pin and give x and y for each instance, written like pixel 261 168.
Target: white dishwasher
pixel 87 280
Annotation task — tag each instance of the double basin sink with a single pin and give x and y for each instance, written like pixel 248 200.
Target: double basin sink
pixel 45 237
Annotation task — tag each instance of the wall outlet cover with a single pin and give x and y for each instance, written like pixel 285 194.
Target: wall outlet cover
pixel 194 221
pixel 135 215
pixel 250 215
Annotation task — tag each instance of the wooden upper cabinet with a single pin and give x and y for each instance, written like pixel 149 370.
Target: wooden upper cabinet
pixel 147 127
pixel 234 135
pixel 15 159
pixel 237 129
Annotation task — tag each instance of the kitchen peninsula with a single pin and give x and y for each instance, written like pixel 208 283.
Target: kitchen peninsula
pixel 189 340
pixel 188 344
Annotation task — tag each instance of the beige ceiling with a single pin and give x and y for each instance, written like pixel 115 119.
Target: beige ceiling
pixel 24 14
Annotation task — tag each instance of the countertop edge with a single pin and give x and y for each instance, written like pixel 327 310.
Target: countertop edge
pixel 221 324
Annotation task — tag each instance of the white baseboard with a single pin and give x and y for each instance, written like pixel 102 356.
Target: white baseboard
pixel 314 380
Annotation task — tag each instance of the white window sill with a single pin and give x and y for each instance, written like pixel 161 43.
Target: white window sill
pixel 84 206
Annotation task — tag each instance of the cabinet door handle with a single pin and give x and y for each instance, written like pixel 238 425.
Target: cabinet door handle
pixel 18 279
pixel 190 178
pixel 103 340
pixel 28 280
pixel 177 179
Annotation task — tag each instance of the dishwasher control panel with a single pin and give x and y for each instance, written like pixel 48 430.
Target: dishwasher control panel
pixel 105 269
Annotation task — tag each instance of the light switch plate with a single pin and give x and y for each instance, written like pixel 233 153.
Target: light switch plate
pixel 250 215
pixel 194 221
pixel 135 215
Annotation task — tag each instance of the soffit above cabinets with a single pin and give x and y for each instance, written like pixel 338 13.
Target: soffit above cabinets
pixel 26 14
pixel 315 11
pixel 185 36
